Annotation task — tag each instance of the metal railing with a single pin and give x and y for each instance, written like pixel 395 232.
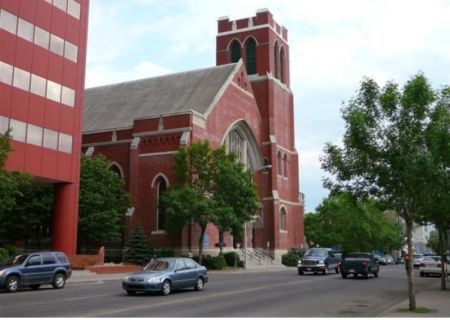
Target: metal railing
pixel 257 256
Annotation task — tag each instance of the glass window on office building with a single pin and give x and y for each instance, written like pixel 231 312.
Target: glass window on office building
pixel 38 85
pixel 73 8
pixel 65 143
pixel 6 73
pixel 25 30
pixel 50 139
pixel 34 135
pixel 41 38
pixel 70 51
pixel 53 91
pixel 8 21
pixel 60 4
pixel 4 124
pixel 21 79
pixel 18 130
pixel 56 45
pixel 68 96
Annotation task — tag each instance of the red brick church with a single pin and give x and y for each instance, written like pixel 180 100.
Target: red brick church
pixel 244 103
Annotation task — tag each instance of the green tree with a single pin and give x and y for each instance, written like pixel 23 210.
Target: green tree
pixel 11 189
pixel 138 251
pixel 102 202
pixel 33 212
pixel 438 192
pixel 234 194
pixel 352 225
pixel 212 188
pixel 384 150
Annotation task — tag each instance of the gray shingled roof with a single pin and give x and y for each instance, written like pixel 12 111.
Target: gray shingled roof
pixel 117 105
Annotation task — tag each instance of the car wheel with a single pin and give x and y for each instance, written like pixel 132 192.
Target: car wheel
pixel 35 286
pixel 344 275
pixel 199 285
pixel 325 271
pixel 12 284
pixel 59 281
pixel 300 272
pixel 166 288
pixel 131 292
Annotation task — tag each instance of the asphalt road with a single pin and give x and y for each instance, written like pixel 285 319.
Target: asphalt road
pixel 262 294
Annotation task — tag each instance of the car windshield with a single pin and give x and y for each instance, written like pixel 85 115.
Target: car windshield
pixel 417 256
pixel 159 265
pixel 357 256
pixel 16 260
pixel 432 259
pixel 317 252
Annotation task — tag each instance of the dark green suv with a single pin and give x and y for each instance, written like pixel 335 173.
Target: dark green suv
pixel 35 269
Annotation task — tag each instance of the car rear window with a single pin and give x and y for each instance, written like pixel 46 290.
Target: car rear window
pixel 61 257
pixel 48 258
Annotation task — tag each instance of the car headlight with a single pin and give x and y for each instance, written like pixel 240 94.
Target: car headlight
pixel 2 272
pixel 320 261
pixel 299 261
pixel 154 279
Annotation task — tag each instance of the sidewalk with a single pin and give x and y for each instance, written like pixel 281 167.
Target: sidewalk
pixel 79 276
pixel 432 298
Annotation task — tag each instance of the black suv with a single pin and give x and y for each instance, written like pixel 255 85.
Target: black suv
pixel 34 269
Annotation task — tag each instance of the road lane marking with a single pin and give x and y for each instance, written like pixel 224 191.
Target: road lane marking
pixel 89 297
pixel 217 295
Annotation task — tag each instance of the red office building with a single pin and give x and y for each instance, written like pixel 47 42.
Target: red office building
pixel 42 71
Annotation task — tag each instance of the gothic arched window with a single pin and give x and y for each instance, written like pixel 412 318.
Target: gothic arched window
pixel 236 145
pixel 280 164
pixel 250 48
pixel 282 65
pixel 285 164
pixel 283 219
pixel 275 59
pixel 161 186
pixel 235 51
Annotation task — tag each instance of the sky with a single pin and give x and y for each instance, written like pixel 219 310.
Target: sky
pixel 333 45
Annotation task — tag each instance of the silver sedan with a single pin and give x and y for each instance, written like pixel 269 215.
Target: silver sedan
pixel 431 265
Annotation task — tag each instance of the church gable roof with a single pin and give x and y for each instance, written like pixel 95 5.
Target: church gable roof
pixel 117 105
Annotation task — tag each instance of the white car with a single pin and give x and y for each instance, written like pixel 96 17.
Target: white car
pixel 417 259
pixel 431 265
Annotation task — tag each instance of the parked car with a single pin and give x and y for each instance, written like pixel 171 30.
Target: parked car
pixel 359 263
pixel 35 269
pixel 165 274
pixel 431 265
pixel 318 260
pixel 417 259
pixel 387 259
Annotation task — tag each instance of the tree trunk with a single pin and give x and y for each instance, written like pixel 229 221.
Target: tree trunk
pixel 200 244
pixel 410 266
pixel 221 242
pixel 442 254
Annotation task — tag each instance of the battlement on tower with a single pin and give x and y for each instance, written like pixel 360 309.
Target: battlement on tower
pixel 263 17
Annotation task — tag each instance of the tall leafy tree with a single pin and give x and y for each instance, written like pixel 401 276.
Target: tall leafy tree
pixel 11 189
pixel 212 188
pixel 102 202
pixel 384 151
pixel 438 173
pixel 352 225
pixel 234 194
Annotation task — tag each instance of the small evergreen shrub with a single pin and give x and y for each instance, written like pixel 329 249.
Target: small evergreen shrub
pixel 214 263
pixel 290 259
pixel 138 251
pixel 231 258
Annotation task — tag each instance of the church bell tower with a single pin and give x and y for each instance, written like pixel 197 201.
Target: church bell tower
pixel 262 44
